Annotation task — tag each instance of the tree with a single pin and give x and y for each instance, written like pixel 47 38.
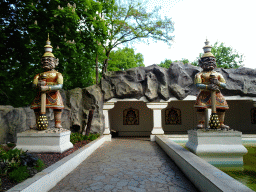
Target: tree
pixel 123 59
pixel 167 62
pixel 130 21
pixel 73 30
pixel 226 57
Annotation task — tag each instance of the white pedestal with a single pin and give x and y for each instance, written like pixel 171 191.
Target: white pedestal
pixel 157 119
pixel 217 147
pixel 44 141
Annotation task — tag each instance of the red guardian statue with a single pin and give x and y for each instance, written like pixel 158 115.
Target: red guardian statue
pixel 48 84
pixel 210 82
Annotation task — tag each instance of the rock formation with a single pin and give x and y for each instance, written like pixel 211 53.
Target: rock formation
pixel 153 82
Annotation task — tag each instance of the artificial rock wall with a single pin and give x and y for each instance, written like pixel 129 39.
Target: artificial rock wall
pixel 77 103
pixel 153 82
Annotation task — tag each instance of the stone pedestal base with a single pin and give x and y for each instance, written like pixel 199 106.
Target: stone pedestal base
pixel 53 140
pixel 217 147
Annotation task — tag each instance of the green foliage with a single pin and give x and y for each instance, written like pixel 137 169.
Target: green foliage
pixel 123 59
pixel 12 164
pixel 226 57
pixel 9 160
pixel 11 144
pixel 19 174
pixel 78 137
pixel 92 137
pixel 167 62
pixel 39 165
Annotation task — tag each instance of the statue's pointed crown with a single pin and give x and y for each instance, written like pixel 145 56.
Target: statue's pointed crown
pixel 207 50
pixel 48 49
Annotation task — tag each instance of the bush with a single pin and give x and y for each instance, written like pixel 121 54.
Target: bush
pixel 77 137
pixel 19 165
pixel 92 137
pixel 39 165
pixel 11 144
pixel 9 160
pixel 19 174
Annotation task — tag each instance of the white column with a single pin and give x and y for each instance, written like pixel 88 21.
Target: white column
pixel 106 107
pixel 157 119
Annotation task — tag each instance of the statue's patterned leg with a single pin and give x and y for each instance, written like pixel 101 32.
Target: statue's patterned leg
pixel 221 119
pixel 201 120
pixel 37 114
pixel 57 117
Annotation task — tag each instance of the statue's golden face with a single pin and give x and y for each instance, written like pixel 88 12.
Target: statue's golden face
pixel 207 63
pixel 48 63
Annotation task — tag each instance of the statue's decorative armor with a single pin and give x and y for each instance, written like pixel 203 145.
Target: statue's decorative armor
pixel 53 97
pixel 210 82
pixel 48 84
pixel 202 79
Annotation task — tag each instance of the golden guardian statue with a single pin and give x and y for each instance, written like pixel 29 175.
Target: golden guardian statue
pixel 48 83
pixel 210 82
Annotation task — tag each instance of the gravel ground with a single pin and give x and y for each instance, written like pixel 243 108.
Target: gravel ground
pixel 48 158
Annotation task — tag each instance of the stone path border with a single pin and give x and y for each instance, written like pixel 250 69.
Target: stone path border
pixel 49 177
pixel 202 174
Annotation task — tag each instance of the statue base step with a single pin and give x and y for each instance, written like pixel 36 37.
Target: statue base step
pixel 217 147
pixel 50 141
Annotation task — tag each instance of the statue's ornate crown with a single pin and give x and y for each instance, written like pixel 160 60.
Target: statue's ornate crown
pixel 48 49
pixel 207 50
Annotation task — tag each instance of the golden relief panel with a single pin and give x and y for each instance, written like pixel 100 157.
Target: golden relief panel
pixel 131 116
pixel 172 116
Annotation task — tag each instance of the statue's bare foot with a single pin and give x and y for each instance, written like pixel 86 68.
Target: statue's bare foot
pixel 33 127
pixel 224 127
pixel 200 126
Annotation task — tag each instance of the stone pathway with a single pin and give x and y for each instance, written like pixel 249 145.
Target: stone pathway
pixel 126 164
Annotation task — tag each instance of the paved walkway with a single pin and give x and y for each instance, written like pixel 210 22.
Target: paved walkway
pixel 126 164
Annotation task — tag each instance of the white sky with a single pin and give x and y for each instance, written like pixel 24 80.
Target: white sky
pixel 232 22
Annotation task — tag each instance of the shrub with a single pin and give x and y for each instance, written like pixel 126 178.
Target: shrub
pixel 19 174
pixel 11 144
pixel 9 160
pixel 77 137
pixel 39 165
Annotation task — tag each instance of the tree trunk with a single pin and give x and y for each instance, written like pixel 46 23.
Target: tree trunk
pixel 105 66
pixel 89 123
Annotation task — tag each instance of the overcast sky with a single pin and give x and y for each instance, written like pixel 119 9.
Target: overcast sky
pixel 232 22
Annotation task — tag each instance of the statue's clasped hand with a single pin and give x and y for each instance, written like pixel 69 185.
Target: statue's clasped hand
pixel 213 87
pixel 44 88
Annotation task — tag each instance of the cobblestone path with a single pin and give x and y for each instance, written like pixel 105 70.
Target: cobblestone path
pixel 126 164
